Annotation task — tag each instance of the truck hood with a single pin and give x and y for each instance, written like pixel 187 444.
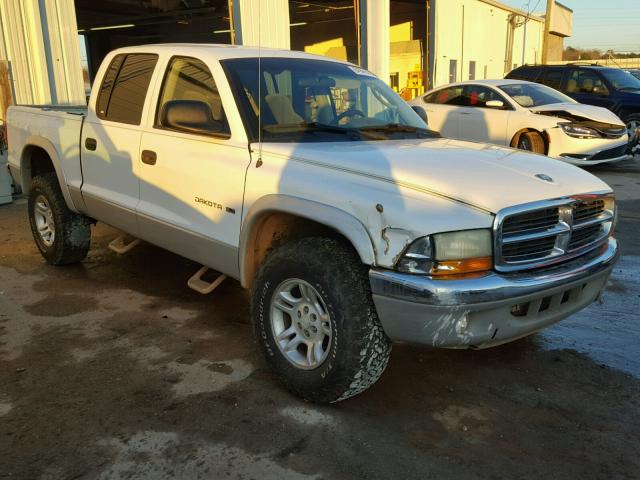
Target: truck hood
pixel 484 176
pixel 580 110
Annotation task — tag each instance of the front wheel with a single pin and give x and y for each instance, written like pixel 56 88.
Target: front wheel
pixel 633 125
pixel 531 142
pixel 315 320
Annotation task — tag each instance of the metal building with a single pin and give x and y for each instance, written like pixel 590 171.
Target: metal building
pixel 52 48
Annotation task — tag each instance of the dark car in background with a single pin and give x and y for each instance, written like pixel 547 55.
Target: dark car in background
pixel 612 88
pixel 635 72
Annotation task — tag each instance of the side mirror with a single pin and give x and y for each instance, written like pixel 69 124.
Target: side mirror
pixel 191 116
pixel 494 104
pixel 422 113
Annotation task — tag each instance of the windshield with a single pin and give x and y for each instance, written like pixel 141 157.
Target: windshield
pixel 620 79
pixel 316 100
pixel 534 95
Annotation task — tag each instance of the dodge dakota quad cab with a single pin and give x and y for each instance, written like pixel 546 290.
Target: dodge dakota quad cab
pixel 316 186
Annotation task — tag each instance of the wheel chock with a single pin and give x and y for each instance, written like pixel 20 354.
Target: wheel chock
pixel 120 245
pixel 202 286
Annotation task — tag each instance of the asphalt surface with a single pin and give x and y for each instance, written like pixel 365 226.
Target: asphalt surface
pixel 115 369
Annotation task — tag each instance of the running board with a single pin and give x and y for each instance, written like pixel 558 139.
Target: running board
pixel 202 286
pixel 120 246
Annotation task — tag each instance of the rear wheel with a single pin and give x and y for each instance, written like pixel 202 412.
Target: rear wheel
pixel 532 142
pixel 62 236
pixel 315 320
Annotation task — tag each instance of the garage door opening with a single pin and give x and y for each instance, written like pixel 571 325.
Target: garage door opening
pixel 111 24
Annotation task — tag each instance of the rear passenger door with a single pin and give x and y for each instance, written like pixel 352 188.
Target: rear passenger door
pixel 111 139
pixel 552 77
pixel 191 169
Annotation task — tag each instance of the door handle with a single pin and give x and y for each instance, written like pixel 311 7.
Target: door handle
pixel 90 143
pixel 149 157
pixel 465 113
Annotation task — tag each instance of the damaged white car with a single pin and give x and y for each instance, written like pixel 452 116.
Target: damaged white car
pixel 528 116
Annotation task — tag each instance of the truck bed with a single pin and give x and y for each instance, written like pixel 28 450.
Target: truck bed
pixel 58 129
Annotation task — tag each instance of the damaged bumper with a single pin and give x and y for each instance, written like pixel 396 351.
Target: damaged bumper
pixel 490 310
pixel 586 152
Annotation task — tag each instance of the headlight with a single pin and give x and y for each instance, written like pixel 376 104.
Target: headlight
pixel 578 131
pixel 449 253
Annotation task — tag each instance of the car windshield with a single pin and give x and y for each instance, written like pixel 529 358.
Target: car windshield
pixel 621 80
pixel 534 95
pixel 309 100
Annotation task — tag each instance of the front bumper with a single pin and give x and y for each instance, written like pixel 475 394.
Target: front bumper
pixel 584 152
pixel 490 310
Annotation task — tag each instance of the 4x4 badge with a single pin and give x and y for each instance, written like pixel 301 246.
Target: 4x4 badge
pixel 544 177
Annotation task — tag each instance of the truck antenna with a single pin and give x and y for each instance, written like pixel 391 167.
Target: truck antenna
pixel 259 161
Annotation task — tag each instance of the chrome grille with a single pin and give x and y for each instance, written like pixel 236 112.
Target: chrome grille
pixel 542 233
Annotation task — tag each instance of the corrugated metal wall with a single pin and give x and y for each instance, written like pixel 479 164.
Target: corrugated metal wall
pixel 39 39
pixel 261 22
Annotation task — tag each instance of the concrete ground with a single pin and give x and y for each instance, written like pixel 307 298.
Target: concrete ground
pixel 115 369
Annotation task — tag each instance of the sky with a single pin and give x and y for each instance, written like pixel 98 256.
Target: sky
pixel 603 24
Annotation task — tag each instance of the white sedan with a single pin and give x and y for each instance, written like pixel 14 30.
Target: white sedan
pixel 528 116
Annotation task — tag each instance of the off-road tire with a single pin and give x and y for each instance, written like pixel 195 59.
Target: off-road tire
pixel 359 350
pixel 532 142
pixel 72 230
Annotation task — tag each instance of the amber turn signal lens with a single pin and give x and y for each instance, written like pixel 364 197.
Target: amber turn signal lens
pixel 456 267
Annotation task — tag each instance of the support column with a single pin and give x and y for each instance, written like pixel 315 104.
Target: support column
pixel 375 23
pixel 263 23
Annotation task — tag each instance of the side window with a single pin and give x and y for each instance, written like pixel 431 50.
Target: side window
pixel 198 107
pixel 431 97
pixel 124 88
pixel 524 73
pixel 552 77
pixel 585 81
pixel 447 96
pixel 107 85
pixel 478 96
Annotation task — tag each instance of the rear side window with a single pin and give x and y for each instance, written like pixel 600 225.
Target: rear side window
pixel 525 73
pixel 552 78
pixel 107 85
pixel 447 96
pixel 124 88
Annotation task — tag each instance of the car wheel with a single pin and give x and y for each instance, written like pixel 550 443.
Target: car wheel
pixel 315 320
pixel 532 142
pixel 62 236
pixel 633 124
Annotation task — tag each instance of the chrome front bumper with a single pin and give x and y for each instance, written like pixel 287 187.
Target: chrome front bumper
pixel 489 310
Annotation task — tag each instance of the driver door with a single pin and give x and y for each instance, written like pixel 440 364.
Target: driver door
pixel 587 86
pixel 480 123
pixel 191 182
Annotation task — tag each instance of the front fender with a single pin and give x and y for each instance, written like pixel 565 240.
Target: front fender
pixel 344 223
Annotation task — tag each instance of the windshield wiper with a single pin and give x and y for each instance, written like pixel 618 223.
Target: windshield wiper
pixel 398 128
pixel 629 89
pixel 308 127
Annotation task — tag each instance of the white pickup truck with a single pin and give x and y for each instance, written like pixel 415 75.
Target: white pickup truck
pixel 312 183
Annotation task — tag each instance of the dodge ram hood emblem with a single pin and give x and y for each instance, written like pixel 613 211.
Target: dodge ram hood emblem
pixel 544 177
